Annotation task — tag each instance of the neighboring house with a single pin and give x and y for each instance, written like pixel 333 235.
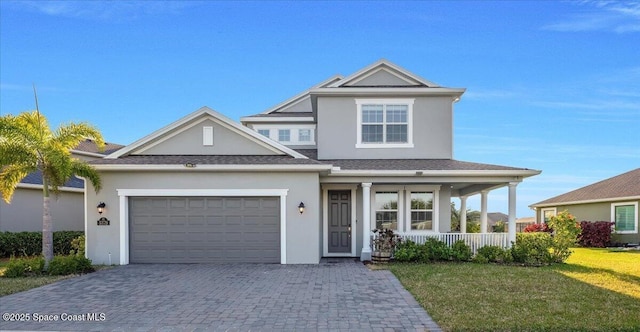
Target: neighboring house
pixel 522 223
pixel 495 217
pixel 309 178
pixel 24 213
pixel 615 199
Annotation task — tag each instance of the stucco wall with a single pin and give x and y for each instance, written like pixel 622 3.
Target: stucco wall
pixel 25 211
pixel 189 142
pixel 303 235
pixel 337 130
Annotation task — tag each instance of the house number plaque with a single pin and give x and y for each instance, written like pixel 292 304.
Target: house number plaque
pixel 103 222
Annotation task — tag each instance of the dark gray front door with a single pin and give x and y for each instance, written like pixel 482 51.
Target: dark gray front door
pixel 204 229
pixel 339 221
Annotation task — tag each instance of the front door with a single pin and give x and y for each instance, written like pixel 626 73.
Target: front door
pixel 339 221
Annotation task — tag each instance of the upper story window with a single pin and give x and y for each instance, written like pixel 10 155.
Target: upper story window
pixel 284 135
pixel 385 123
pixel 288 134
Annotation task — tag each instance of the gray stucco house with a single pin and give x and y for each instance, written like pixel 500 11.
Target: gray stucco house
pixel 307 179
pixel 24 213
pixel 614 199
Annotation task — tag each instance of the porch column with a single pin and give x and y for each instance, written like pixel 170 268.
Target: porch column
pixel 366 222
pixel 512 213
pixel 483 211
pixel 463 214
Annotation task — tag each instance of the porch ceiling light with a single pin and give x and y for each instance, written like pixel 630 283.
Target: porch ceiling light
pixel 101 207
pixel 301 208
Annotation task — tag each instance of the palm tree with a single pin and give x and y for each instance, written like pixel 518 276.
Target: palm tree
pixel 473 217
pixel 28 145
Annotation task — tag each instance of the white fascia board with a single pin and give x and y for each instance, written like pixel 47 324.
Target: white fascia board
pixel 423 173
pixel 230 167
pixel 39 186
pixel 90 154
pixel 222 120
pixel 373 68
pixel 379 92
pixel 586 201
pixel 255 119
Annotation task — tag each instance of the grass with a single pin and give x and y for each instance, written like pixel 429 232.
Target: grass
pixel 15 285
pixel 596 290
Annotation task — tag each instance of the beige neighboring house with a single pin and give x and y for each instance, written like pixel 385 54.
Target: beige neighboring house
pixel 615 199
pixel 24 213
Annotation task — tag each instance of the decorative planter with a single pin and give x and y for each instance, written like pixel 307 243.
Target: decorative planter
pixel 380 257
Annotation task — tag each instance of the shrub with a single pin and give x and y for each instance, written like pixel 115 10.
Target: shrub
pixel 500 227
pixel 460 251
pixel 534 228
pixel 30 243
pixel 532 248
pixel 473 227
pixel 24 267
pixel 436 250
pixel 595 234
pixel 78 245
pixel 64 265
pixel 495 254
pixel 407 251
pixel 565 235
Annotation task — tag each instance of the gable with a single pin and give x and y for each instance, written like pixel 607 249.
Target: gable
pixel 384 77
pixel 190 140
pixel 383 74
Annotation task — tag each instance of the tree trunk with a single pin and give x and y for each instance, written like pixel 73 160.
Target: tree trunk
pixel 47 227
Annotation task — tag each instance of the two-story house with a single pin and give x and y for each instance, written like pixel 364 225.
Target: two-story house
pixel 307 179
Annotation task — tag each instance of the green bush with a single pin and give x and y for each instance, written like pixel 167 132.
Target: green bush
pixel 473 227
pixel 24 267
pixel 461 252
pixel 532 248
pixel 436 250
pixel 64 265
pixel 78 245
pixel 564 236
pixel 494 254
pixel 407 251
pixel 30 243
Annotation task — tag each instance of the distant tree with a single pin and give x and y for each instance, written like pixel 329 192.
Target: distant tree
pixel 473 217
pixel 27 145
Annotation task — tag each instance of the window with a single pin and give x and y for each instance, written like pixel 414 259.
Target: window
pixel 384 123
pixel 421 211
pixel 207 136
pixel 304 135
pixel 264 132
pixel 547 214
pixel 625 216
pixel 386 207
pixel 284 135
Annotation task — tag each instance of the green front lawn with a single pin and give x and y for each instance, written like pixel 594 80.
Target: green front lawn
pixel 597 290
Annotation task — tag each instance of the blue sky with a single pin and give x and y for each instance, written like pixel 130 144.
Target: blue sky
pixel 551 85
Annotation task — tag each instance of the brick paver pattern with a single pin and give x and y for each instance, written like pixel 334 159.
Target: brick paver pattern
pixel 331 296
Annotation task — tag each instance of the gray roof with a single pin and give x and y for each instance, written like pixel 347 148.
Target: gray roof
pixel 206 160
pixel 36 178
pixel 90 146
pixel 620 186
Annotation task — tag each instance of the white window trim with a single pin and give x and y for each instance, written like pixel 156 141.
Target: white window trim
pixel 325 219
pixel 124 194
pixel 282 131
pixel 408 102
pixel 435 209
pixel 542 211
pixel 294 132
pixel 385 188
pixel 635 216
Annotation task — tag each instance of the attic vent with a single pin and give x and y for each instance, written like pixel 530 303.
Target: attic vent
pixel 207 136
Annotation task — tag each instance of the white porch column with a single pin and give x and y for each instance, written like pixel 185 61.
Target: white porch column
pixel 512 213
pixel 366 222
pixel 463 214
pixel 483 211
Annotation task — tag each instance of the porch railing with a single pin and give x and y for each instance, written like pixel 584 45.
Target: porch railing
pixel 473 240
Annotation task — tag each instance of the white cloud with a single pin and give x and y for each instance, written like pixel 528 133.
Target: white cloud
pixel 103 10
pixel 616 16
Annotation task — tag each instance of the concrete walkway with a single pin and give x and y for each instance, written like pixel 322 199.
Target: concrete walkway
pixel 334 295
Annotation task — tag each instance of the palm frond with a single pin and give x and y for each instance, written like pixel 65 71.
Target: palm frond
pixel 12 152
pixel 88 172
pixel 10 177
pixel 70 135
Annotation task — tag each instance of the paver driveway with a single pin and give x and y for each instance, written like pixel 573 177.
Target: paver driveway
pixel 334 295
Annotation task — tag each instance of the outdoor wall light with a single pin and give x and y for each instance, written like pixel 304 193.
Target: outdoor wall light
pixel 301 207
pixel 101 207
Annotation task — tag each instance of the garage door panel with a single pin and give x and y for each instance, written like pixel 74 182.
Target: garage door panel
pixel 204 229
